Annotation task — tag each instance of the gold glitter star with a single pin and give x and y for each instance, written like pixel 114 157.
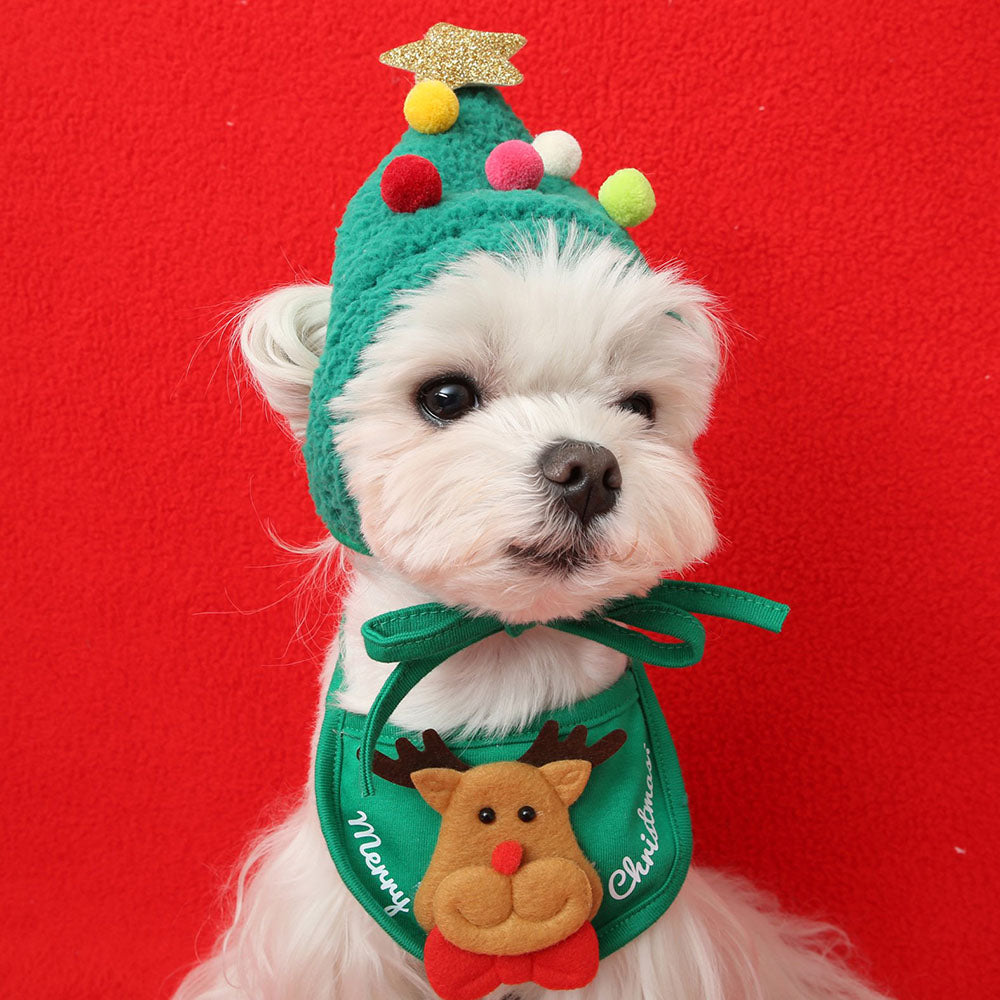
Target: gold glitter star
pixel 459 57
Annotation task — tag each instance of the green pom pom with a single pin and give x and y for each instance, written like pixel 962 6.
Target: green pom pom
pixel 627 197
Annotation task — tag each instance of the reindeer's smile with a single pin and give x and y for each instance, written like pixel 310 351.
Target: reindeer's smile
pixel 490 913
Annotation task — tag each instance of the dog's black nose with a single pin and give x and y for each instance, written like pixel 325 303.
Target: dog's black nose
pixel 585 476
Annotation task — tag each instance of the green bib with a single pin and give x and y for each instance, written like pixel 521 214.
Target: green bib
pixel 631 820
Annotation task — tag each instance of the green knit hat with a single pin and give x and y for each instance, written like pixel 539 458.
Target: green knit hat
pixel 381 250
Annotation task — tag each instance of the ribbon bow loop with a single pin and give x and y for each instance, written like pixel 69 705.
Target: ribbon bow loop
pixel 423 630
pixel 643 613
pixel 421 637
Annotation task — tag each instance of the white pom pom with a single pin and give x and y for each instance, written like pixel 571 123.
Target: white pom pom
pixel 560 153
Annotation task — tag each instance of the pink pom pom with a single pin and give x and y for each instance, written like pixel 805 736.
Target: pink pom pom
pixel 410 182
pixel 514 164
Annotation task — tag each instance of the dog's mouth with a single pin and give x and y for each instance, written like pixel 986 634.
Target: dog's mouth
pixel 560 560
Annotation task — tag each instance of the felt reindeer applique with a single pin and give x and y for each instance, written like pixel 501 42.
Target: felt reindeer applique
pixel 508 896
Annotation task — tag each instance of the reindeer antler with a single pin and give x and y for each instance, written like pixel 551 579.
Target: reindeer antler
pixel 434 754
pixel 547 747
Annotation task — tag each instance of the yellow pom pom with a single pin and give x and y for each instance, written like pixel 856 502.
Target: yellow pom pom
pixel 431 107
pixel 627 197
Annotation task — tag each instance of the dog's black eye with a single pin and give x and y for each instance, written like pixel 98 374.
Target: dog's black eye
pixel 526 814
pixel 638 402
pixel 447 397
pixel 487 815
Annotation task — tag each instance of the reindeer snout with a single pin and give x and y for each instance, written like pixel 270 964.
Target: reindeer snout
pixel 507 857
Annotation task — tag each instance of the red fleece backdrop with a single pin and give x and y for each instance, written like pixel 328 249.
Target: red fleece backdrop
pixel 827 168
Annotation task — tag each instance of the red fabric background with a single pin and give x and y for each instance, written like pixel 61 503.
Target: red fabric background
pixel 828 168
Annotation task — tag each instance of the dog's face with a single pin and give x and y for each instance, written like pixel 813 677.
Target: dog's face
pixel 518 437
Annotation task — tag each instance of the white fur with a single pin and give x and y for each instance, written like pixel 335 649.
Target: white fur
pixel 555 336
pixel 281 338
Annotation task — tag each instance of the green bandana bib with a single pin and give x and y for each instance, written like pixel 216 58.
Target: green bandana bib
pixel 630 820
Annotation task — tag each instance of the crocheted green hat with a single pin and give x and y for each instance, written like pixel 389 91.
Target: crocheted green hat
pixel 444 191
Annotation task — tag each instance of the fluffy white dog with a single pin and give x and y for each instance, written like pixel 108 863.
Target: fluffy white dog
pixel 518 439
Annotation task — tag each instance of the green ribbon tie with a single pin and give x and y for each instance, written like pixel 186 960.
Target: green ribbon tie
pixel 422 637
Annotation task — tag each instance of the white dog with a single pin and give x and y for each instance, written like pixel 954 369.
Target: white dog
pixel 444 433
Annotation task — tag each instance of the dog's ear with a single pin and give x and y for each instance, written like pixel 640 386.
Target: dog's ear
pixel 281 338
pixel 697 340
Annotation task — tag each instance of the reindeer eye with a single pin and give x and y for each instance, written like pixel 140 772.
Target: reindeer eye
pixel 526 814
pixel 487 815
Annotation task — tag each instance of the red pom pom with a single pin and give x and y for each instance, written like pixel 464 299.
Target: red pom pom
pixel 410 182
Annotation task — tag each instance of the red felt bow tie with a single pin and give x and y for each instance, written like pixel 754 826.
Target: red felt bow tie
pixel 456 974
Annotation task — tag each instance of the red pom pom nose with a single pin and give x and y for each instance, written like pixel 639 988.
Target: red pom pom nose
pixel 410 182
pixel 507 857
